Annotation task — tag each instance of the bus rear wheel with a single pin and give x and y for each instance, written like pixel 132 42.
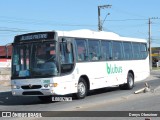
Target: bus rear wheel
pixel 82 89
pixel 130 82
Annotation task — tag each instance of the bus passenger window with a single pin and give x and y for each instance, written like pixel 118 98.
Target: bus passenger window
pixel 106 50
pixel 117 51
pixel 81 52
pixel 143 50
pixel 127 50
pixel 94 50
pixel 136 50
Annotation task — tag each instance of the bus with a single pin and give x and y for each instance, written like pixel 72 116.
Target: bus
pixel 51 63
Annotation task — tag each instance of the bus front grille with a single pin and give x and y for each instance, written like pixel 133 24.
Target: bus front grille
pixel 31 87
pixel 32 93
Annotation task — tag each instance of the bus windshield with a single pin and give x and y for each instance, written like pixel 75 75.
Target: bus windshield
pixel 34 60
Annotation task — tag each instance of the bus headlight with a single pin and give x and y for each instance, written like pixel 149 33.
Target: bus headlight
pixel 53 84
pixel 15 87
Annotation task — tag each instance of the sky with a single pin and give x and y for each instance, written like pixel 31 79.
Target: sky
pixel 127 18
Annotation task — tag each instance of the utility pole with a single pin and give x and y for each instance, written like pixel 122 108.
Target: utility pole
pixel 149 41
pixel 99 16
pixel 99 19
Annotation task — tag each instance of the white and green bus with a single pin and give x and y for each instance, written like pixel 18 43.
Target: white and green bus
pixel 45 64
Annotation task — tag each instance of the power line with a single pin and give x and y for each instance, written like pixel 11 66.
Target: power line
pixel 13 31
pixel 44 23
pixel 127 20
pixel 128 13
pixel 155 39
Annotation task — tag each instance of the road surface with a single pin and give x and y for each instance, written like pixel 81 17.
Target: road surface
pixel 108 99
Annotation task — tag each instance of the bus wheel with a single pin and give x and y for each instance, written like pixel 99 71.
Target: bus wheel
pixel 130 82
pixel 45 98
pixel 82 89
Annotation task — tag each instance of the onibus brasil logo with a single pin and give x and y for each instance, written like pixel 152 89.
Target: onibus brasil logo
pixel 113 69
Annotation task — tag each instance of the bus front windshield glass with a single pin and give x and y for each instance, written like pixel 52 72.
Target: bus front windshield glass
pixel 34 60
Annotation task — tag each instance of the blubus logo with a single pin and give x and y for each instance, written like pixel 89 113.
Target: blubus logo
pixel 113 69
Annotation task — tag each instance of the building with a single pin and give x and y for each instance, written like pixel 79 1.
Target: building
pixel 5 56
pixel 156 53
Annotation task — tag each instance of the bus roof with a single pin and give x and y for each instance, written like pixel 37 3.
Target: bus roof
pixel 85 33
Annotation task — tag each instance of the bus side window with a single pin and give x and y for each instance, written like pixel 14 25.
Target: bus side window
pixel 81 50
pixel 127 50
pixel 106 50
pixel 136 51
pixel 94 50
pixel 144 52
pixel 117 51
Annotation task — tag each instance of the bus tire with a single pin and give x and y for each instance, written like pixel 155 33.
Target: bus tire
pixel 82 89
pixel 45 98
pixel 130 82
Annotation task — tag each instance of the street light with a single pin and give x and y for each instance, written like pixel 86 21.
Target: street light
pixel 104 20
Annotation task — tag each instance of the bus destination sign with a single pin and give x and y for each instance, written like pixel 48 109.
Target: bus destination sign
pixel 35 36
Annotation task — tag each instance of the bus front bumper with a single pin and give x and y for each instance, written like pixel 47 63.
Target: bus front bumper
pixel 33 92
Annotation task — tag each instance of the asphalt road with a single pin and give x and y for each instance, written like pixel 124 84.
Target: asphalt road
pixel 108 99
